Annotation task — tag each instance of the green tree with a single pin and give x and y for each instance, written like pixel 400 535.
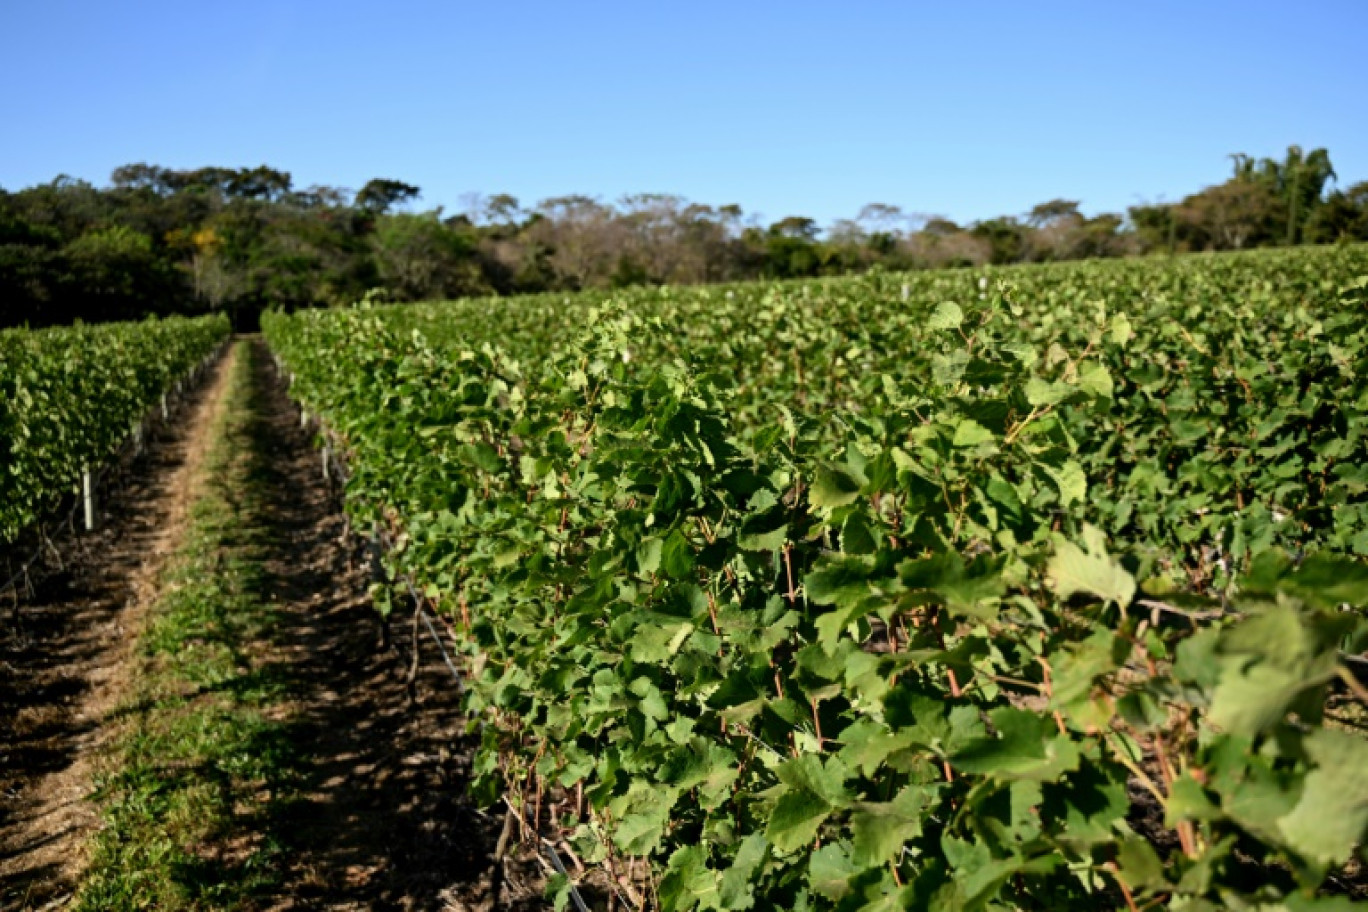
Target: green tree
pixel 381 195
pixel 419 257
pixel 115 270
pixel 1343 216
pixel 1006 239
pixel 1240 213
pixel 1155 226
pixel 1299 181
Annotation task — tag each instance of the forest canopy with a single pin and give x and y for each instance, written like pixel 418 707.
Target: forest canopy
pixel 160 241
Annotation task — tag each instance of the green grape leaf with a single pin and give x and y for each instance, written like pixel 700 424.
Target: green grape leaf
pixel 1092 571
pixel 1332 815
pixel 947 315
pixel 833 487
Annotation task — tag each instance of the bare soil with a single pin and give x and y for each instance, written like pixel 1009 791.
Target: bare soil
pixel 64 667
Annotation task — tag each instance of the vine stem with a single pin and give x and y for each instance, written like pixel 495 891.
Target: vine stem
pixel 1034 414
pixel 1181 612
pixel 1138 773
pixel 1352 682
pixel 1111 868
pixel 1186 837
pixel 1018 682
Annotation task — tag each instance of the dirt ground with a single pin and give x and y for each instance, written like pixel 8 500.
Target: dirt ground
pixel 65 666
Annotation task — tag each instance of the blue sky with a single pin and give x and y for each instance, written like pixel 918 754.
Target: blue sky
pixel 967 109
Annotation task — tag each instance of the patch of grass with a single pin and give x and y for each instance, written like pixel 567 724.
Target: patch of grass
pixel 203 763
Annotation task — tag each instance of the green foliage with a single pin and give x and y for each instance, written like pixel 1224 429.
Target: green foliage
pixel 827 599
pixel 161 240
pixel 69 397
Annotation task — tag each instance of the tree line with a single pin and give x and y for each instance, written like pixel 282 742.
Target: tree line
pixel 159 240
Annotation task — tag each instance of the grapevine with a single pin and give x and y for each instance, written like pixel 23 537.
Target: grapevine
pixel 70 396
pixel 1042 588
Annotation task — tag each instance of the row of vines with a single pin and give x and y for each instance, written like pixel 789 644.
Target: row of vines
pixel 70 396
pixel 1033 588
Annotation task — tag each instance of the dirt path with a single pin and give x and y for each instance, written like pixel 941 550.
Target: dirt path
pixel 382 823
pixel 64 672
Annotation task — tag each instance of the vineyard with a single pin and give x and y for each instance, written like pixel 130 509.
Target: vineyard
pixel 1020 588
pixel 70 397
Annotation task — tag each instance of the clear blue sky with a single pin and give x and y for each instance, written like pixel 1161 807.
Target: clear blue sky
pixel 965 109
